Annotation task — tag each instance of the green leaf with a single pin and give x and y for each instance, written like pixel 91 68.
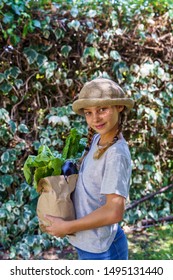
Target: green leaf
pixel 115 55
pixel 13 72
pixel 24 251
pixel 4 115
pixel 5 88
pixel 55 164
pixel 33 224
pixel 50 68
pixel 16 211
pixel 18 9
pixel 14 39
pixel 41 59
pixel 158 176
pixel 2 77
pixel 4 168
pixel 28 28
pixel 3 214
pixel 40 173
pixel 68 82
pixel 27 168
pixel 44 150
pixel 43 165
pixel 149 168
pixel 46 34
pixel 153 214
pixel 90 24
pixel 74 12
pixel 25 30
pixel 23 128
pixel 97 54
pixel 13 154
pixel 9 205
pixel 137 179
pixel 19 83
pixel 36 23
pixel 89 51
pixel 31 55
pixel 65 50
pixel 19 194
pixel 90 38
pixel 8 18
pixel 108 34
pixel 38 86
pixel 147 69
pixel 42 160
pixel 150 114
pixel 74 24
pixel 5 157
pixel 37 249
pixel 92 13
pixel 6 180
pixel 31 240
pixel 59 33
pixel 71 147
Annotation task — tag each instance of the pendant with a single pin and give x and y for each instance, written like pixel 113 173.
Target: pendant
pixel 100 150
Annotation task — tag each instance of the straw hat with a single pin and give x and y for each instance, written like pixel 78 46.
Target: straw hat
pixel 101 92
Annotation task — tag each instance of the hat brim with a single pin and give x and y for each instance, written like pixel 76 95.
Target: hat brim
pixel 81 104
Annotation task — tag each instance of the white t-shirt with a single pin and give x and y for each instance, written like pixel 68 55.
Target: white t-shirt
pixel 98 177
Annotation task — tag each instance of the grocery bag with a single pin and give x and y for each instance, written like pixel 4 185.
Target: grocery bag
pixel 55 198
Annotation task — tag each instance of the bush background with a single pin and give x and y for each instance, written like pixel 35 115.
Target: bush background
pixel 48 50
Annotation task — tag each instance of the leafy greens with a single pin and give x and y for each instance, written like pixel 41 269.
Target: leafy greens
pixel 46 164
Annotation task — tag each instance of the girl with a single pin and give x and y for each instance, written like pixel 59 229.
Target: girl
pixel 104 176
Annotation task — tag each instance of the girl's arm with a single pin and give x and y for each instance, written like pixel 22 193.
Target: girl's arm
pixel 110 213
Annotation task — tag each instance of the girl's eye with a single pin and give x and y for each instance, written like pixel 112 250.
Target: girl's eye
pixel 102 109
pixel 87 113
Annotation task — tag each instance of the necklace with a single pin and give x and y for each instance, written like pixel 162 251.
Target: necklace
pixel 101 149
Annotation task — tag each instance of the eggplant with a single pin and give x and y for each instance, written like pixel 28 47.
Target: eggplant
pixel 69 168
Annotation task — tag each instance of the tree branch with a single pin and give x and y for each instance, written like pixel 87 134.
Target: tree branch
pixel 135 203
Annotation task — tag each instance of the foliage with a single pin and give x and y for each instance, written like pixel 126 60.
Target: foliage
pixel 44 164
pixel 72 145
pixel 48 50
pixel 153 244
pixel 47 163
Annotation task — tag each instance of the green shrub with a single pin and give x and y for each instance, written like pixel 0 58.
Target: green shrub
pixel 47 53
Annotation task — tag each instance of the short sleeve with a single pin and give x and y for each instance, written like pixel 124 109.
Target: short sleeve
pixel 116 177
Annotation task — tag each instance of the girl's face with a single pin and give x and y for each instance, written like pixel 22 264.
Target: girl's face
pixel 104 120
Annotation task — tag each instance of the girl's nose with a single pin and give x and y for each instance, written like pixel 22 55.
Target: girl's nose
pixel 96 117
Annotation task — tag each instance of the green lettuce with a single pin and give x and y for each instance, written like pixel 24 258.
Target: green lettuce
pixel 46 164
pixel 40 166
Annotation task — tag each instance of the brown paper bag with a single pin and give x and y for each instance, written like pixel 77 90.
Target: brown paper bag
pixel 55 198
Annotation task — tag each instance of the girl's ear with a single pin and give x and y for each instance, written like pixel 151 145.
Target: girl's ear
pixel 120 108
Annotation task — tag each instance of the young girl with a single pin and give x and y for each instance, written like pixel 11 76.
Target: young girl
pixel 104 176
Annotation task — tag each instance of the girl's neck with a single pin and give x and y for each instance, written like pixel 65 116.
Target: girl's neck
pixel 108 138
pixel 101 147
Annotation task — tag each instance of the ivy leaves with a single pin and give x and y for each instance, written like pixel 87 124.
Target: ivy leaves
pixel 47 53
pixel 9 78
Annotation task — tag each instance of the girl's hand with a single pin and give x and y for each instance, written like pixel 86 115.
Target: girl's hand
pixel 57 227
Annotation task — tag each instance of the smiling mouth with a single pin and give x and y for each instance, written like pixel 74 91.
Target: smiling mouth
pixel 99 126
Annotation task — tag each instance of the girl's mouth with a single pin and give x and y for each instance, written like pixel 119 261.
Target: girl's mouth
pixel 100 126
